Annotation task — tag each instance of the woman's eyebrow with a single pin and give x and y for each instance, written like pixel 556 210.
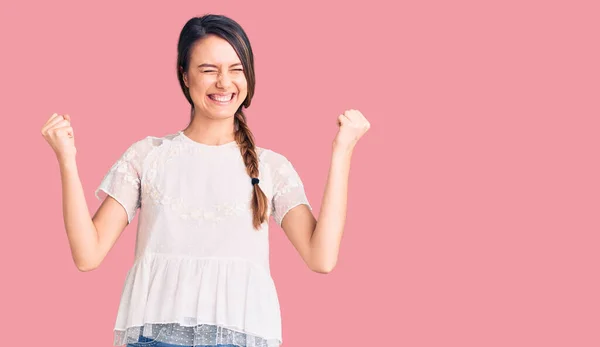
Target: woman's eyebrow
pixel 215 66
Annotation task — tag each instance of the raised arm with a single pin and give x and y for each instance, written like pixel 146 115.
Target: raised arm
pixel 318 241
pixel 89 238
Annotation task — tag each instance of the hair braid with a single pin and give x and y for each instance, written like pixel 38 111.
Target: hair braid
pixel 245 139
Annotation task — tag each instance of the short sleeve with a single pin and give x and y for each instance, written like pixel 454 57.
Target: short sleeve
pixel 288 189
pixel 123 181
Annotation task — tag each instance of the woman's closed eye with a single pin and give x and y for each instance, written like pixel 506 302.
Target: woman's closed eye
pixel 212 71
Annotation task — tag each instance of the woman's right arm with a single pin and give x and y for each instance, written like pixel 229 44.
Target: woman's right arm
pixel 90 239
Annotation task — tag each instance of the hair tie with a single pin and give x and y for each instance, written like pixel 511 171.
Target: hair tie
pixel 255 180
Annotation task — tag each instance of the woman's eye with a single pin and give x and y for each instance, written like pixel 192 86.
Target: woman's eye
pixel 211 71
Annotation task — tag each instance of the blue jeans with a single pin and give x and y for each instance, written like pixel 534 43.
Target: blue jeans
pixel 148 342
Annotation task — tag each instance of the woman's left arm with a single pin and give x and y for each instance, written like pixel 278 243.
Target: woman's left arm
pixel 318 242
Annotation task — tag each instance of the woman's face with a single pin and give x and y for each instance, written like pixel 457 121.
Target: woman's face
pixel 215 78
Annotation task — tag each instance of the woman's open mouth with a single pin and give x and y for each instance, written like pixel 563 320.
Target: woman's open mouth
pixel 222 99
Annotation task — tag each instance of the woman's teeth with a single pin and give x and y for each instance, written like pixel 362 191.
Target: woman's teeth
pixel 221 98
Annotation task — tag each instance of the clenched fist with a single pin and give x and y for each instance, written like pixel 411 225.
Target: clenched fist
pixel 59 134
pixel 352 126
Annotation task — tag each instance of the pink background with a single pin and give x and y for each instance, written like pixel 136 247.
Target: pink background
pixel 473 202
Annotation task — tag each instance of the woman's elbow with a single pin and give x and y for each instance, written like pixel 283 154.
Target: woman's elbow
pixel 84 266
pixel 323 268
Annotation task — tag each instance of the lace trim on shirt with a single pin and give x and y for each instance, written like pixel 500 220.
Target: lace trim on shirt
pixel 122 182
pixel 288 191
pixel 215 213
pixel 198 335
pixel 152 195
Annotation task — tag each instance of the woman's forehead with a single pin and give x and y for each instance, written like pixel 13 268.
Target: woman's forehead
pixel 214 50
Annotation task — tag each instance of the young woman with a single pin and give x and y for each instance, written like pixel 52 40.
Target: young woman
pixel 201 273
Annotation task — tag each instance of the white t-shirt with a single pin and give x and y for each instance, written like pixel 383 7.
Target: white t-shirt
pixel 201 273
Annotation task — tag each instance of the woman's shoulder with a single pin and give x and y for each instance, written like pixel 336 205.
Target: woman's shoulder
pixel 268 155
pixel 149 142
pixel 142 147
pixel 272 158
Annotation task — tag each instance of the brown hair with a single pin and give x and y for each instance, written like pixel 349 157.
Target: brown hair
pixel 229 30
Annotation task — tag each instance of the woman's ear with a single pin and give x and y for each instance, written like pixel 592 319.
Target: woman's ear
pixel 185 78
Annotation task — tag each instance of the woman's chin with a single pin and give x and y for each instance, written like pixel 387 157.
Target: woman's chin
pixel 217 112
pixel 221 114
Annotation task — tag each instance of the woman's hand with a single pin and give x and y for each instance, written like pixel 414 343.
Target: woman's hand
pixel 59 134
pixel 352 126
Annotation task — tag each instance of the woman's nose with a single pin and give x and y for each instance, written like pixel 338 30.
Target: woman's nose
pixel 223 80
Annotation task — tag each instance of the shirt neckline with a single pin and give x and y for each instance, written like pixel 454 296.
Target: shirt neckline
pixel 232 144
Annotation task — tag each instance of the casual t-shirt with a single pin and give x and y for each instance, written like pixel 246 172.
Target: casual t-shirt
pixel 201 271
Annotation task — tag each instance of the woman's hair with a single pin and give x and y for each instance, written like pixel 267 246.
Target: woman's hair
pixel 229 30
